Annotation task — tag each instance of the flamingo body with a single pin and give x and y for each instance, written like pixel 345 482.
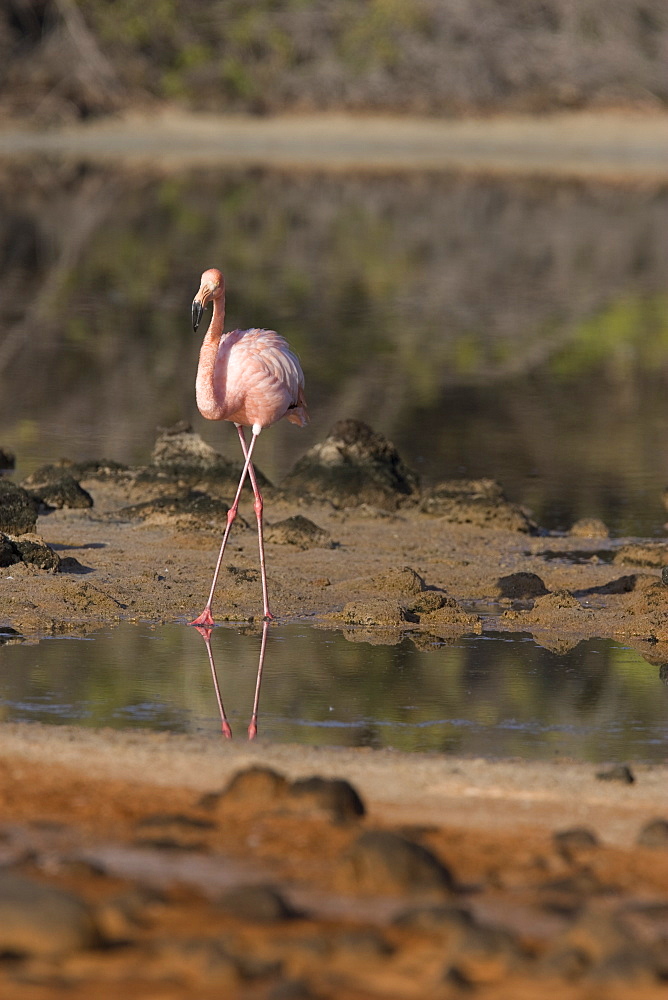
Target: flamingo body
pixel 252 378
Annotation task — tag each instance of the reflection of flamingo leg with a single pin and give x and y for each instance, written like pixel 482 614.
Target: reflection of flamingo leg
pixel 224 724
pixel 258 506
pixel 252 726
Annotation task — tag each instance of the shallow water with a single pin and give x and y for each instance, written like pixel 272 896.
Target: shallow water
pixel 507 327
pixel 496 695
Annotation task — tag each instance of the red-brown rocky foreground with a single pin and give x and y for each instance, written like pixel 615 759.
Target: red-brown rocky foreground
pixel 171 867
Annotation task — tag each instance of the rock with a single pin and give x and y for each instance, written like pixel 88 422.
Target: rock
pixel 520 586
pixel 375 612
pixel 397 581
pixel 354 466
pixel 333 797
pixel 571 843
pixel 42 921
pixel 383 862
pixel 30 549
pixel 654 834
pixel 53 486
pixel 590 527
pixel 260 786
pixel 7 459
pixel 298 531
pixel 446 919
pixel 18 510
pixel 33 550
pixel 483 956
pixel 182 453
pixel 643 554
pixel 451 616
pixel 620 772
pixel 261 903
pixel 479 502
pixel 193 509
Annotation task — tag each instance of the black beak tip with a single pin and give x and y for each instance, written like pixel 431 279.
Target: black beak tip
pixel 197 314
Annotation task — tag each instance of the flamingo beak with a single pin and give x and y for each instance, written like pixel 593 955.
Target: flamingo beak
pixel 198 309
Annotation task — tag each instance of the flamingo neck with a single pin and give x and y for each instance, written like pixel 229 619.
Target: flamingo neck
pixel 209 392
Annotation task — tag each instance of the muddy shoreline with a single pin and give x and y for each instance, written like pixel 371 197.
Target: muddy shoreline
pixel 165 865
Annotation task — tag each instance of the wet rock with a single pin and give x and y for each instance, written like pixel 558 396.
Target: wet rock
pixel 103 469
pixel 7 459
pixel 479 502
pixel 520 586
pixel 258 903
pixel 643 554
pixel 654 834
pixel 193 509
pixel 18 510
pixel 590 527
pixel 42 921
pixel 333 797
pixel 451 616
pixel 376 612
pixel 354 466
pixel 53 486
pixel 298 531
pixel 182 453
pixel 383 862
pixel 620 772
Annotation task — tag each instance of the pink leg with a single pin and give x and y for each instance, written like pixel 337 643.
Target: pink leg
pixel 206 618
pixel 252 726
pixel 205 632
pixel 258 506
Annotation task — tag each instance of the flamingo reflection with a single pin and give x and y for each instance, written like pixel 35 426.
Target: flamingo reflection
pixel 205 631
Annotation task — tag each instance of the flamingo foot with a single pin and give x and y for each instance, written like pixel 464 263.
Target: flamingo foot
pixel 205 619
pixel 267 616
pixel 227 731
pixel 252 730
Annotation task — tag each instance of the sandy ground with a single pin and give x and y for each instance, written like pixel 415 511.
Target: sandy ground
pixel 609 145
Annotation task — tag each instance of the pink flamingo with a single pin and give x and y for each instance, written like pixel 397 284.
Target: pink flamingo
pixel 254 379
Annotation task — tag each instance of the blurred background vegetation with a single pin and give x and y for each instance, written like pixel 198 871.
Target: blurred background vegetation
pixel 70 59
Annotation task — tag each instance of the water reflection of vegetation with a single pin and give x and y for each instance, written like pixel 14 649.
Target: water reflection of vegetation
pixel 516 327
pixel 492 696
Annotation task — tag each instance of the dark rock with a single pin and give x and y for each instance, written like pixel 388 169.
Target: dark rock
pixel 8 552
pixel 261 903
pixel 103 469
pixel 334 797
pixel 42 921
pixel 620 772
pixel 354 466
pixel 654 834
pixel 298 531
pixel 480 502
pixel 520 586
pixel 54 486
pixel 33 550
pixel 383 862
pixel 7 459
pixel 18 510
pixel 182 453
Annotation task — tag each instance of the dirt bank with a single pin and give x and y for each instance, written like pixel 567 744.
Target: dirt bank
pixel 609 145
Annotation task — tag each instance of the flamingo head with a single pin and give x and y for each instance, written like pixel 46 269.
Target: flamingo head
pixel 212 286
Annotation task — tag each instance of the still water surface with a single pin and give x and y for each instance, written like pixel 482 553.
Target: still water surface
pixel 498 695
pixel 507 327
